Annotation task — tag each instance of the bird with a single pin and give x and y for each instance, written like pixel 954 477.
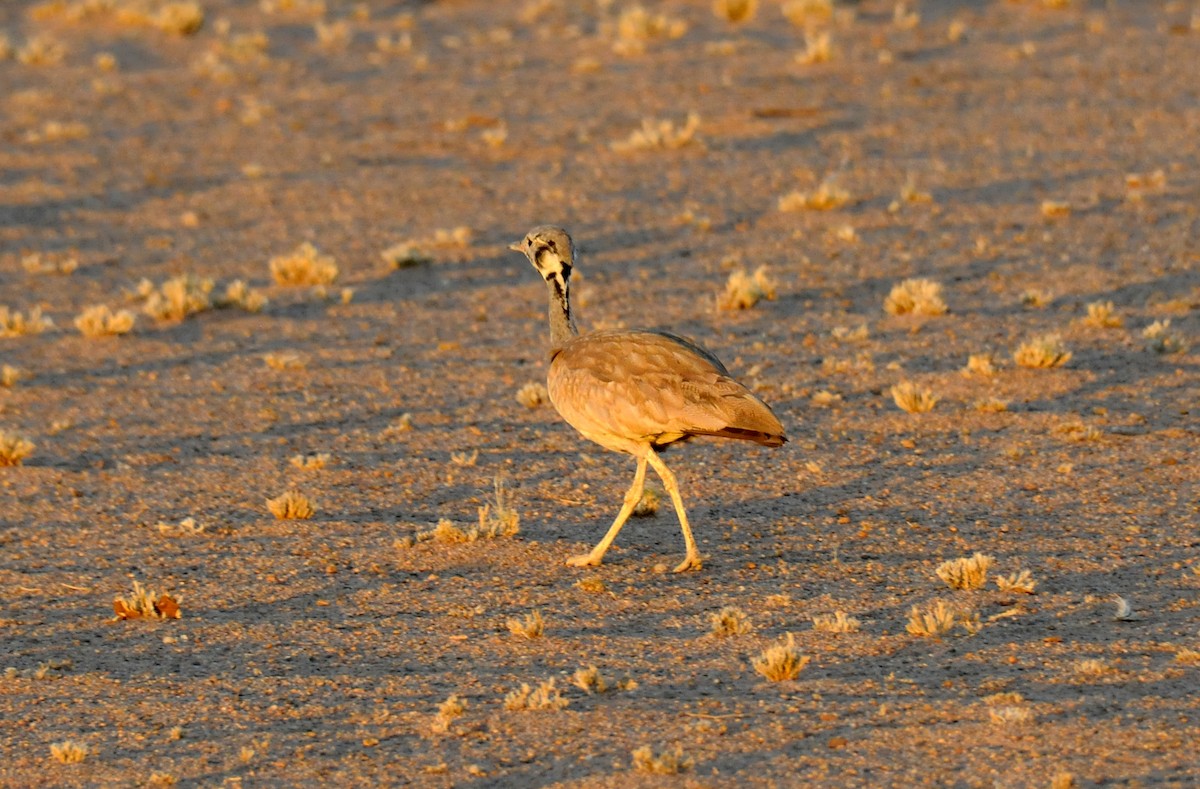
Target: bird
pixel 637 391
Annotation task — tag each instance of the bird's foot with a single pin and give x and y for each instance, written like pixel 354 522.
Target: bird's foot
pixel 692 562
pixel 584 560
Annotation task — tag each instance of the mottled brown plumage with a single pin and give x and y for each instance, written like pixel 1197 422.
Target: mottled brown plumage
pixel 638 391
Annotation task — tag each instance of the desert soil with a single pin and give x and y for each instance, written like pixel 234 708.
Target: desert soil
pixel 1032 157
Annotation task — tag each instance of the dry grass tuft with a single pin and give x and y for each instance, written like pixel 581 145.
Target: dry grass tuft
pixel 547 696
pixel 912 398
pixel 1160 339
pixel 915 297
pixel 966 573
pixel 1054 209
pixel 807 13
pixel 41 51
pixel 647 506
pixel 991 405
pixel 1011 716
pixel 311 462
pixel 185 528
pixel 980 364
pixel 1017 582
pixel 533 394
pixel 39 263
pixel 935 621
pixel 590 681
pixel 530 626
pixel 239 294
pixel 176 298
pixel 448 710
pixel 406 254
pixel 743 291
pixel 304 266
pixel 730 621
pixel 1036 298
pixel 500 520
pixel 1042 351
pixel 1092 667
pixel 69 751
pixel 1102 315
pixel 1187 656
pixel 284 360
pixel 291 505
pixel 818 48
pixel 9 375
pixel 14 448
pixel 669 762
pixel 781 663
pixel 636 27
pixel 838 622
pixel 827 196
pixel 100 321
pixel 659 134
pixel 144 603
pixel 735 10
pixel 16 324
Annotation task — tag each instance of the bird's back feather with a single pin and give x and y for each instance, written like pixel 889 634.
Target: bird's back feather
pixel 622 387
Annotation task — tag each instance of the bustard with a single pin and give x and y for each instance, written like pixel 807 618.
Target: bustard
pixel 637 391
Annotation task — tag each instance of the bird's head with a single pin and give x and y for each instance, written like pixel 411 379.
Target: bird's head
pixel 551 252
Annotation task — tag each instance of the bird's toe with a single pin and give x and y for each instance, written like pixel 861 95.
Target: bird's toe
pixel 692 562
pixel 583 560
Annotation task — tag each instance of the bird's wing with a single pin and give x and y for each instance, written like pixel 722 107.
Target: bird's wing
pixel 639 385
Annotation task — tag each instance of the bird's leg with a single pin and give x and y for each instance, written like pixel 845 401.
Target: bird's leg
pixel 692 560
pixel 632 497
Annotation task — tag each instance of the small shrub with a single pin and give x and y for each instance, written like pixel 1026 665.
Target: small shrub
pixel 291 505
pixel 1011 716
pixel 1017 582
pixel 781 663
pixel 1036 298
pixel 980 364
pixel 966 573
pixel 1092 667
pixel 838 622
pixel 915 297
pixel 533 394
pixel 935 621
pixel 546 697
pixel 310 462
pixel 827 196
pixel 636 27
pixel 730 621
pixel 9 375
pixel 1042 351
pixel 530 626
pixel 100 321
pixel 590 681
pixel 145 603
pixel 735 10
pixel 647 506
pixel 1160 339
pixel 818 48
pixel 1102 315
pixel 304 266
pixel 239 294
pixel 69 751
pixel 16 324
pixel 806 13
pixel 501 520
pixel 991 405
pixel 14 448
pixel 177 298
pixel 743 291
pixel 912 398
pixel 659 134
pixel 669 762
pixel 448 710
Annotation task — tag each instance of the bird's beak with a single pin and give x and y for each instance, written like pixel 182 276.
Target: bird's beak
pixel 518 246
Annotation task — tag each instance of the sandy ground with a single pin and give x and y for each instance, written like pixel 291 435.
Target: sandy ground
pixel 1032 159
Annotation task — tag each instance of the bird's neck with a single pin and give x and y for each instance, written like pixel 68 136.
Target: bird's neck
pixel 562 324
